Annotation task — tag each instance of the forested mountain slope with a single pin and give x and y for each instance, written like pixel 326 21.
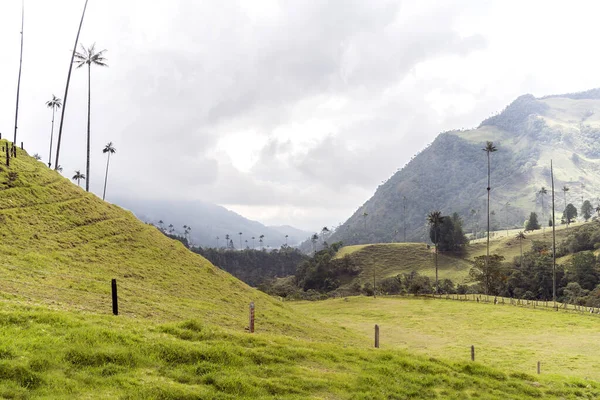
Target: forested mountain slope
pixel 451 174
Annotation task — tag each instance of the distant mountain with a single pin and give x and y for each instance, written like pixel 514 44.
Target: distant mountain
pixel 451 173
pixel 295 235
pixel 209 221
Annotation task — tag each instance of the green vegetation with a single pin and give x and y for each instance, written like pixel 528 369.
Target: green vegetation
pixel 254 266
pixel 181 333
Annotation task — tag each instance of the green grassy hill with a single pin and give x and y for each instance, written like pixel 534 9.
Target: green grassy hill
pixel 180 334
pixel 390 259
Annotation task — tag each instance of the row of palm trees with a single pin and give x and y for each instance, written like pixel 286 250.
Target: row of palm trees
pixel 89 57
pixel 229 241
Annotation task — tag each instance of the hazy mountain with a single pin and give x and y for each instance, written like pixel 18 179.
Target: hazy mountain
pixel 208 221
pixel 295 235
pixel 451 173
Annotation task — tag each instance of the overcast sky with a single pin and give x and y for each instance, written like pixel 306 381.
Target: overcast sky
pixel 288 112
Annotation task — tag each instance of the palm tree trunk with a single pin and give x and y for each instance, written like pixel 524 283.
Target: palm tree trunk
pixel 51 135
pixel 487 259
pixel 20 66
pixel 105 175
pixel 436 261
pixel 553 240
pixel 64 105
pixel 87 165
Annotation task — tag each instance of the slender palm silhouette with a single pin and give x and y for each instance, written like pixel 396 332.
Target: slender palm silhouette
pixel 78 177
pixel 89 57
pixel 62 115
pixel 489 148
pixel 435 219
pixel 108 149
pixel 54 104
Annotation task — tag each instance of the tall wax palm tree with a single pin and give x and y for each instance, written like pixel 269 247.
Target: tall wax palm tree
pixel 171 228
pixel 553 238
pixel 286 238
pixel 218 242
pixel 489 148
pixel 20 67
pixel 37 157
pixel 404 216
pixel 62 115
pixel 542 193
pixel 53 104
pixel 89 57
pixel 324 233
pixel 261 241
pixel 435 219
pixel 253 244
pixel 78 177
pixel 108 149
pixel 565 189
pixel 598 210
pixel 314 239
pixel 520 236
pixel 240 233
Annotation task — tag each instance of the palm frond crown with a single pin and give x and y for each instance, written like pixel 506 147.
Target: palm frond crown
pixel 90 56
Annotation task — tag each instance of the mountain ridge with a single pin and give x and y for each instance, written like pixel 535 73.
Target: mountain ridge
pixel 450 174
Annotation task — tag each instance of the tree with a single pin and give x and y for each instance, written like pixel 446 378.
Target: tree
pixel 62 116
pixel 584 270
pixel 89 57
pixel 37 157
pixel 573 292
pixel 314 238
pixel 286 239
pixel 565 189
pixel 489 148
pixel 240 233
pixel 59 168
pixel 489 272
pixel 54 104
pixel 435 220
pixel 598 210
pixel 161 225
pixel 324 233
pixel 171 228
pixel 20 67
pixel 587 210
pixel 108 149
pixel 78 177
pixel 532 222
pixel 520 237
pixel 253 244
pixel 570 213
pixel 261 237
pixel 364 215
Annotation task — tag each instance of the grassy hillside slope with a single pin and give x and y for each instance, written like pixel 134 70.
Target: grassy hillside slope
pixel 391 259
pixel 61 246
pixel 180 334
pixel 510 338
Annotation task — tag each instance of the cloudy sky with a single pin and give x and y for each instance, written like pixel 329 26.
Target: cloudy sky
pixel 288 112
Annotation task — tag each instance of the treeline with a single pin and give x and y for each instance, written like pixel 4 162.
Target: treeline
pixel 254 266
pixel 530 276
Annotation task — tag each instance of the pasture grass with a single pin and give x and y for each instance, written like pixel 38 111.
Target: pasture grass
pixel 506 337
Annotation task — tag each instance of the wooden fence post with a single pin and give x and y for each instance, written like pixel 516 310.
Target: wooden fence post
pixel 538 368
pixel 376 336
pixel 472 353
pixel 115 304
pixel 7 156
pixel 21 145
pixel 251 324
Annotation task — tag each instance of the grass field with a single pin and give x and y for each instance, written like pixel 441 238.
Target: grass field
pixel 180 333
pixel 510 338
